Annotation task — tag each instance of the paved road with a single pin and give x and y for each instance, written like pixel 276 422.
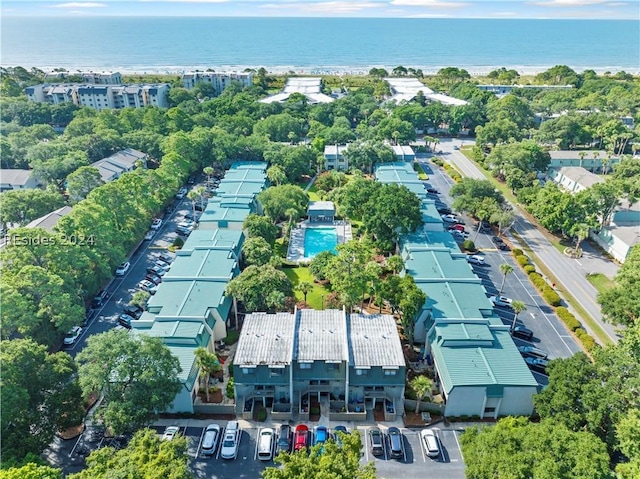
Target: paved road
pixel 570 273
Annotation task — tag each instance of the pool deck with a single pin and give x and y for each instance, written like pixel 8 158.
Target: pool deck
pixel 295 253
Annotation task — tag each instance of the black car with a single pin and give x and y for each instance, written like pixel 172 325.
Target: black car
pixel 533 352
pixel 153 278
pixel 200 205
pixel 522 333
pixel 284 438
pixel 433 191
pixel 444 210
pixel 99 299
pixel 395 442
pixel 499 242
pixel 537 364
pixel 133 310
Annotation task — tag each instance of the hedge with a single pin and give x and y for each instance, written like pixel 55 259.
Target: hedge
pixel 587 340
pixel 517 252
pixel 522 260
pixel 550 296
pixel 469 245
pixel 529 268
pixel 568 318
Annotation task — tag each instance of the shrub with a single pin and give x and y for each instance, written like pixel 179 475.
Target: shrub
pixel 230 390
pixel 587 340
pixel 261 414
pixel 551 297
pixel 438 161
pixel 522 260
pixel 314 410
pixel 517 252
pixel 232 337
pixel 178 242
pixel 568 318
pixel 529 268
pixel 469 245
pixel 230 367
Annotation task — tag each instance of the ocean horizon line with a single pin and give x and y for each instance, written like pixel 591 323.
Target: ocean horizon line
pixel 336 70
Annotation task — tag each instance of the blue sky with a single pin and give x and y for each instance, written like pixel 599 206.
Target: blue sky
pixel 583 9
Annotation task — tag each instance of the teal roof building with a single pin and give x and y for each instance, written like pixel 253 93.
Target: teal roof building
pixel 479 370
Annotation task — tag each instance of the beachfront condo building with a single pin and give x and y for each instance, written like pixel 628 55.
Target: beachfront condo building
pixel 219 80
pixel 104 78
pixel 100 97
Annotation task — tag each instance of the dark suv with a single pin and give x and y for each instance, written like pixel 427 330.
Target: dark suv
pixel 133 311
pixel 522 333
pixel 99 299
pixel 284 438
pixel 395 440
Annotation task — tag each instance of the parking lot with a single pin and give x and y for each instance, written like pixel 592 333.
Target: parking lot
pixel 121 288
pixel 549 332
pixel 414 464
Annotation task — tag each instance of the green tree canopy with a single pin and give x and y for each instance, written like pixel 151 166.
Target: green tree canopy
pixel 145 456
pixel 40 396
pixel 277 200
pixel 20 207
pixel 82 181
pixel 254 285
pixel 31 470
pixel 334 462
pixel 517 448
pixel 257 251
pixel 261 226
pixel 137 375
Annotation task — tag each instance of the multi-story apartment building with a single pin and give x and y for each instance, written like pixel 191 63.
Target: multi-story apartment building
pixel 104 78
pixel 219 80
pixel 346 363
pixel 101 97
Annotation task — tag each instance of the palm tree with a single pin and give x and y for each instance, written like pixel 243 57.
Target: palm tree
pixel 199 191
pixel 304 287
pixel 596 155
pixel 422 386
pixel 193 196
pixel 518 307
pixel 276 175
pixel 505 269
pixel 395 263
pixel 605 163
pixel 581 232
pixel 209 171
pixel 208 363
pixel 582 155
pixel 275 300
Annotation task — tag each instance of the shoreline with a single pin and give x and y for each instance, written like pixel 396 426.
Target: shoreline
pixel 328 70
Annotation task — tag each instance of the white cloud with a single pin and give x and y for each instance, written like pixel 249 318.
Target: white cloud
pixel 186 1
pixel 79 5
pixel 430 3
pixel 569 3
pixel 324 7
pixel 506 14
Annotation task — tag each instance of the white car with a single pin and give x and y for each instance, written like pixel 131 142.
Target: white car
pixel 149 235
pixel 148 286
pixel 157 223
pixel 450 218
pixel 459 234
pixel 123 268
pixel 231 441
pixel 502 301
pixel 475 259
pixel 210 439
pixel 182 192
pixel 430 442
pixel 72 336
pixel 170 433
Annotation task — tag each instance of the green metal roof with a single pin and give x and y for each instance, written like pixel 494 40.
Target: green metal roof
pixel 429 212
pixel 433 264
pixel 215 238
pixel 245 188
pixel 458 301
pixel 494 364
pixel 186 356
pixel 249 165
pixel 403 174
pixel 429 239
pixel 181 332
pixel 215 213
pixel 201 264
pixel 244 174
pixel 459 332
pixel 189 298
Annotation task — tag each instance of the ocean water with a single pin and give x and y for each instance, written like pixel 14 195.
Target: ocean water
pixel 314 45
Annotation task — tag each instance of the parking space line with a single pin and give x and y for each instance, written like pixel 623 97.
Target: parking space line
pixel 455 436
pixel 255 451
pixel 200 442
pixel 224 430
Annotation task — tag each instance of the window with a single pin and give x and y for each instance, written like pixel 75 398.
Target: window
pixel 247 370
pixel 305 365
pixel 332 366
pixel 390 372
pixel 276 371
pixel 361 372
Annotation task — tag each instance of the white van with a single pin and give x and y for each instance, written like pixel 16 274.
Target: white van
pixel 265 444
pixel 231 440
pixel 430 443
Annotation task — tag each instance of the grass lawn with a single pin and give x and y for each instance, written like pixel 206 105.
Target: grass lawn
pixel 314 297
pixel 600 281
pixel 421 174
pixel 313 193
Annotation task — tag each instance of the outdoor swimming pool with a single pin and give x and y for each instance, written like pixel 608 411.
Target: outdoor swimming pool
pixel 319 239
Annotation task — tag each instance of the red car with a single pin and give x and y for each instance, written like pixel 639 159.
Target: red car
pixel 301 437
pixel 457 227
